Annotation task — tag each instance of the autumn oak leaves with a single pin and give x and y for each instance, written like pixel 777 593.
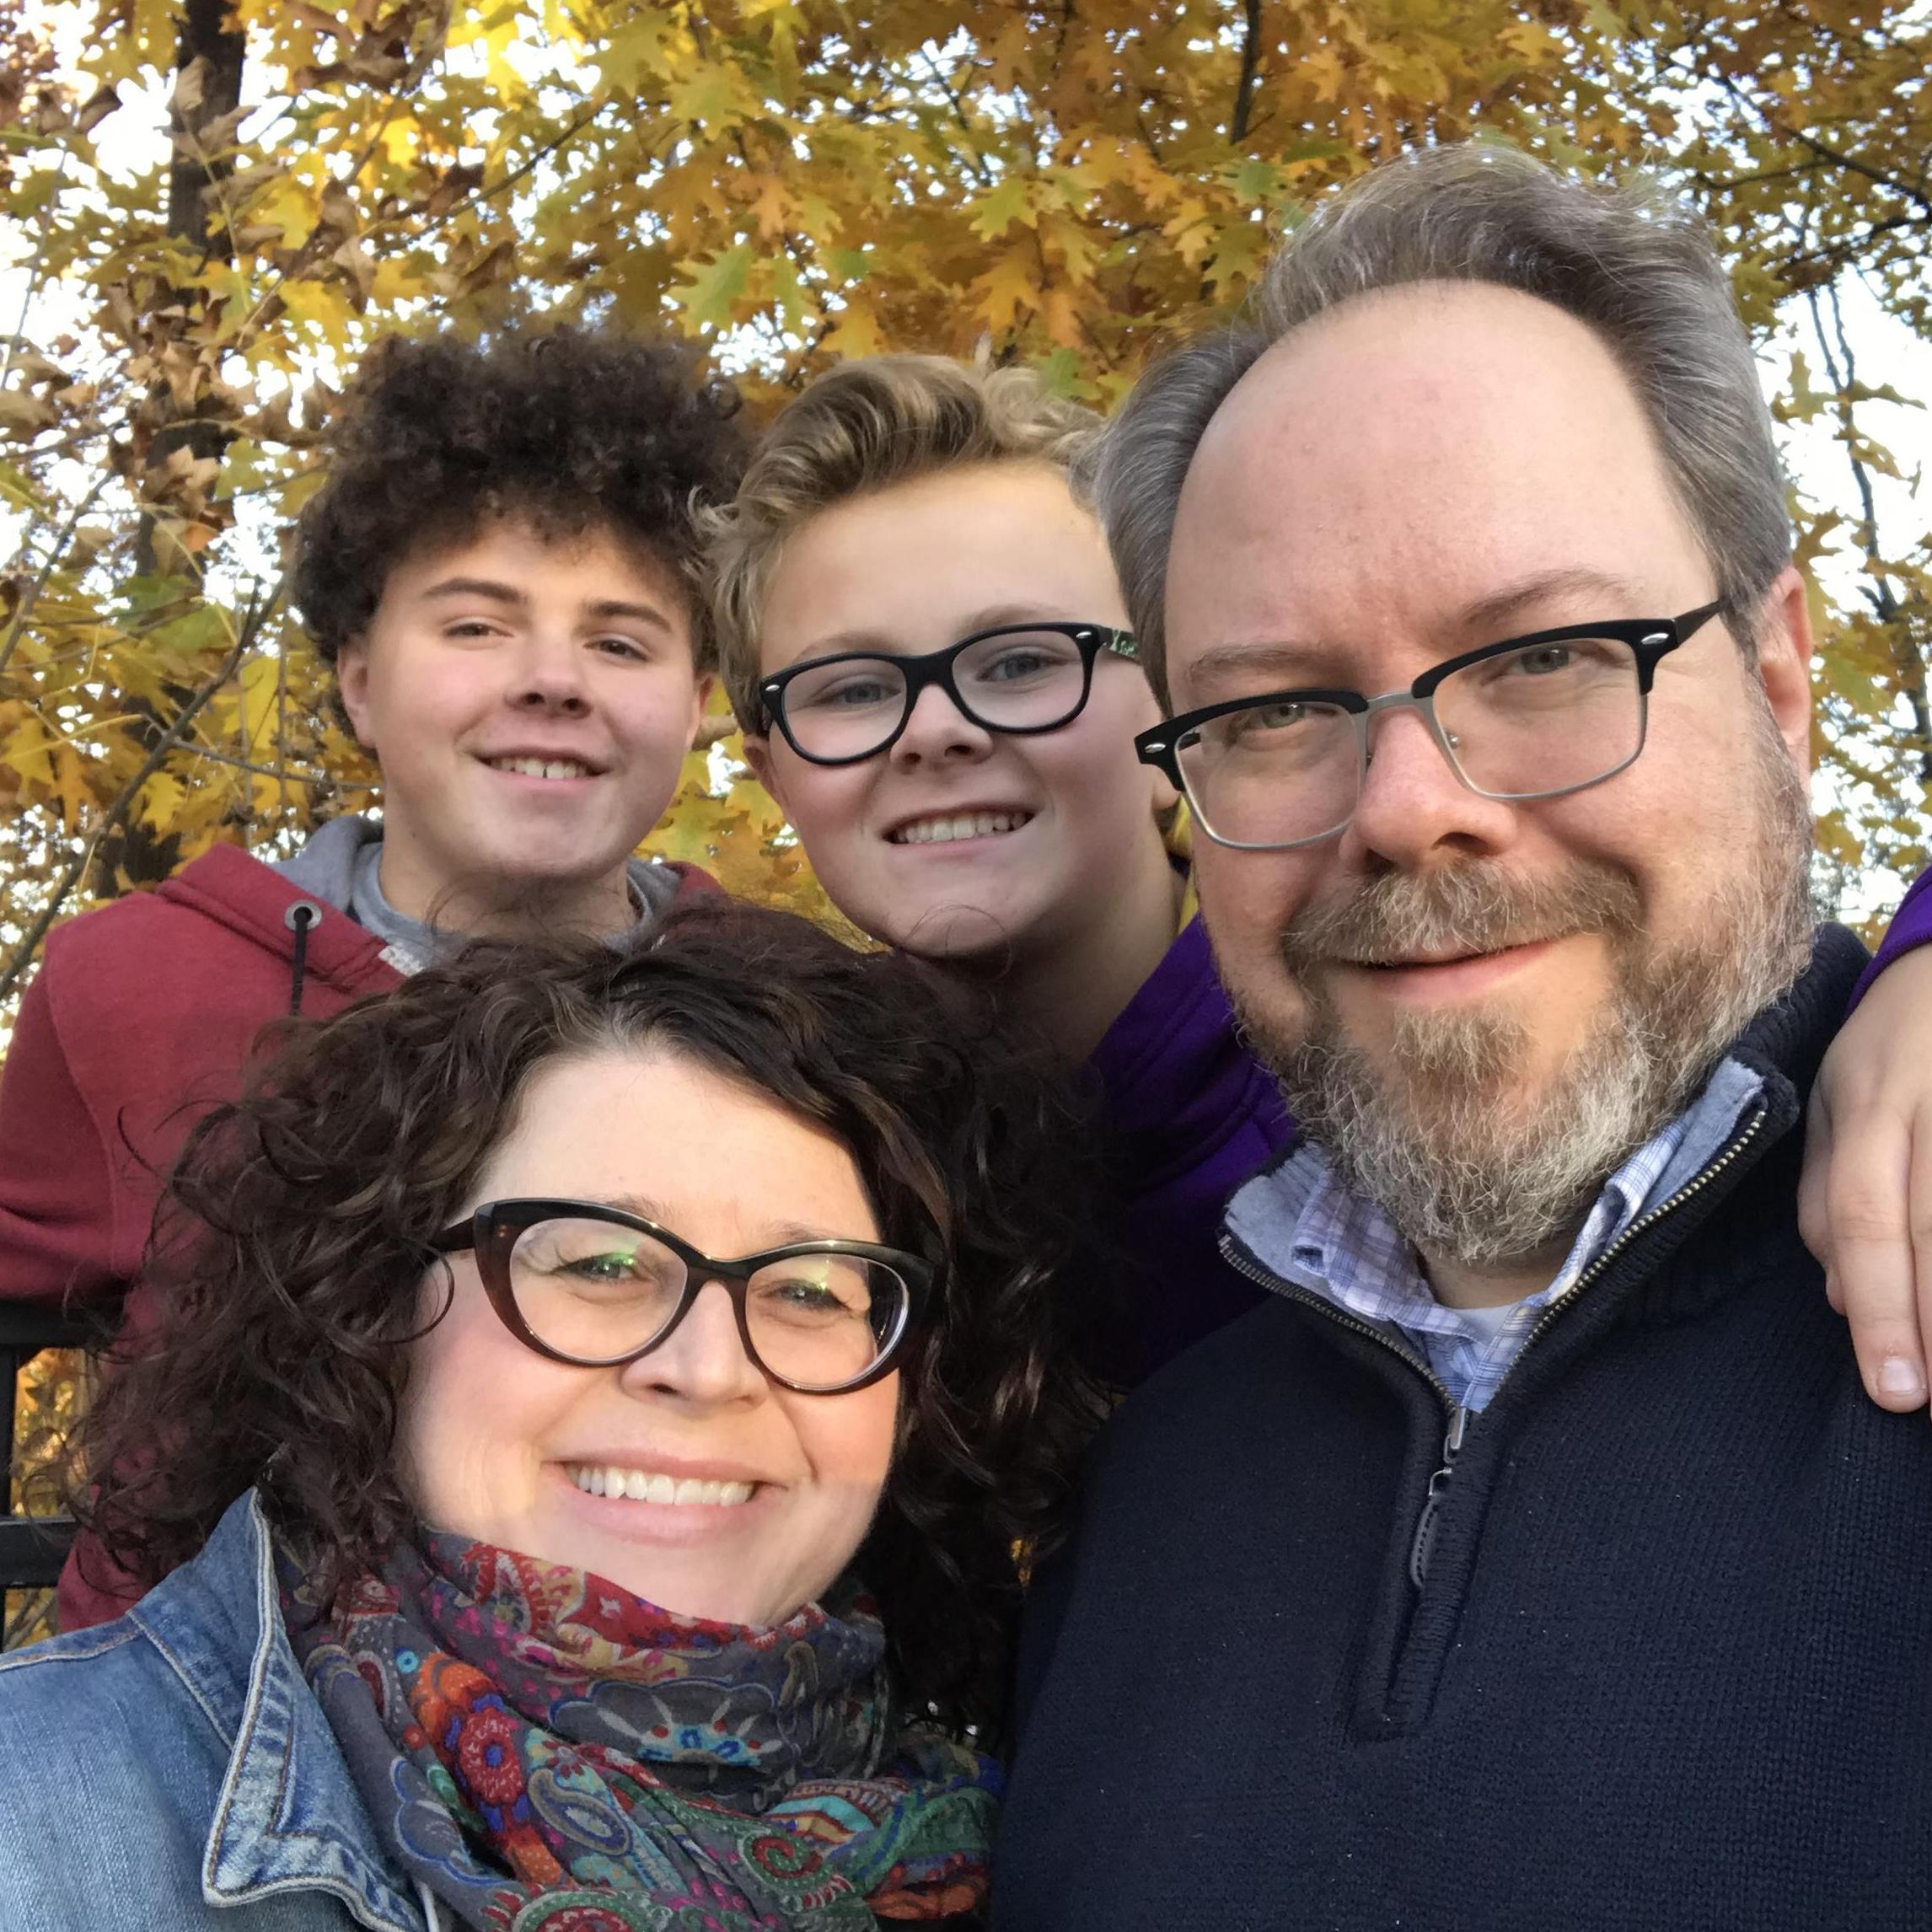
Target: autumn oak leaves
pixel 797 182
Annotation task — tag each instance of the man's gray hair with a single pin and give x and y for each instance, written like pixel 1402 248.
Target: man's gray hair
pixel 1633 265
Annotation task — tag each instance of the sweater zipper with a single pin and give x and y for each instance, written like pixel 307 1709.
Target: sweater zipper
pixel 1422 1544
pixel 1458 1416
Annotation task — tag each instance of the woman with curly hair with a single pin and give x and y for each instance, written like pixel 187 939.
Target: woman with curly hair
pixel 602 1397
pixel 499 569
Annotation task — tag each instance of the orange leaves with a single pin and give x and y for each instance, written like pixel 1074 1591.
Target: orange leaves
pixel 797 180
pixel 728 826
pixel 1009 292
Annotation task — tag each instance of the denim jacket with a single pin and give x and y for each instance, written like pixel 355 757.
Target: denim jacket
pixel 173 1771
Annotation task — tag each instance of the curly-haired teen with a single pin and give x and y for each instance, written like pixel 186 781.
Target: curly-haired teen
pixel 909 510
pixel 521 1562
pixel 500 568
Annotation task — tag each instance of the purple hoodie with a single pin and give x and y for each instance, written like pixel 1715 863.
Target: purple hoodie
pixel 1911 925
pixel 1188 1116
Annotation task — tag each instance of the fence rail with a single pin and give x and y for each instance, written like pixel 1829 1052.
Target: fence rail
pixel 32 1548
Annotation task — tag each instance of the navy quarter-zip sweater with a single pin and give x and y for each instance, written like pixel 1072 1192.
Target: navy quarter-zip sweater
pixel 1669 1664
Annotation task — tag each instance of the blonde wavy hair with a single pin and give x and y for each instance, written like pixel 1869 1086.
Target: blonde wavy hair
pixel 858 429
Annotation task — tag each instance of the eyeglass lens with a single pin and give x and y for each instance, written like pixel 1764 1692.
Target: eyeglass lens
pixel 598 1292
pixel 1524 724
pixel 1029 680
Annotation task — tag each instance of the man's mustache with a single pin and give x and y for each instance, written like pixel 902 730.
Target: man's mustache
pixel 1465 908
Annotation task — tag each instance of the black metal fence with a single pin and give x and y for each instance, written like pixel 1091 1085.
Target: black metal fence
pixel 32 1548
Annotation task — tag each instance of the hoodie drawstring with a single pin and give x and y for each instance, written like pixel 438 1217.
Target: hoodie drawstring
pixel 300 919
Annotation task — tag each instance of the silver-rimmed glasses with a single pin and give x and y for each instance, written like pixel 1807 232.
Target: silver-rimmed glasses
pixel 1020 678
pixel 1530 717
pixel 591 1284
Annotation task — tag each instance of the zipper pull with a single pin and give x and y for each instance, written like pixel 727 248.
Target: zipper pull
pixel 1420 1549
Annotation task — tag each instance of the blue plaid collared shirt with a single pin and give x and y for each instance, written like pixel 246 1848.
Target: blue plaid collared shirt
pixel 1298 1220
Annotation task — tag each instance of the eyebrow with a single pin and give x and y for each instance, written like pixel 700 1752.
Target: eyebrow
pixel 476 586
pixel 1494 614
pixel 782 1234
pixel 1489 619
pixel 883 644
pixel 509 594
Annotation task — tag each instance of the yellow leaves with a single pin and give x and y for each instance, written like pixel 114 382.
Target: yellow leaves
pixel 1240 249
pixel 1009 291
pixel 70 787
pixel 737 833
pixel 715 96
pixel 646 44
pixel 802 181
pixel 319 305
pixel 710 296
pixel 496 30
pixel 1835 839
pixel 856 331
pixel 26 747
pixel 395 283
pixel 161 799
pixel 772 210
pixel 1801 402
pixel 997 210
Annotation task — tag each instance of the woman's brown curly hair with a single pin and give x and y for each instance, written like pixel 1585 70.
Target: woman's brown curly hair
pixel 573 430
pixel 300 1219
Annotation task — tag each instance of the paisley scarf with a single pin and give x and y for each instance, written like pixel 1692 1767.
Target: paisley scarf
pixel 545 1750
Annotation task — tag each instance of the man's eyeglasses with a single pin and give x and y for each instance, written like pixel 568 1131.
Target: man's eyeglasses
pixel 594 1286
pixel 1020 678
pixel 1532 717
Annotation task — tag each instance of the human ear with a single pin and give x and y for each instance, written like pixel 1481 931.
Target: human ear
pixel 1145 714
pixel 701 690
pixel 352 682
pixel 1784 666
pixel 758 756
pixel 1166 798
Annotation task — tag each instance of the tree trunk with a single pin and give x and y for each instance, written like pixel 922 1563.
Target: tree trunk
pixel 208 62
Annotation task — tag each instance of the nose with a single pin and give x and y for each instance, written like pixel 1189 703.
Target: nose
pixel 938 730
pixel 1414 811
pixel 549 676
pixel 702 1362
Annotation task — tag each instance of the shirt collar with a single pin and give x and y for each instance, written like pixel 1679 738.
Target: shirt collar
pixel 1299 1221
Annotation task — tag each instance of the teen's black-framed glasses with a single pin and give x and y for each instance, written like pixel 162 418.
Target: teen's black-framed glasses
pixel 1535 717
pixel 1019 678
pixel 595 1286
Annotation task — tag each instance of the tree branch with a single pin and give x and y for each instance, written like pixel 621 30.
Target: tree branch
pixel 1244 90
pixel 23 956
pixel 1843 370
pixel 1877 176
pixel 31 596
pixel 37 268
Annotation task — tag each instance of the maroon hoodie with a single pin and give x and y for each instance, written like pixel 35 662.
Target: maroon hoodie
pixel 139 1021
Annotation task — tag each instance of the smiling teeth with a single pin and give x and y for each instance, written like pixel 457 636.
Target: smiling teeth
pixel 599 1479
pixel 541 767
pixel 969 825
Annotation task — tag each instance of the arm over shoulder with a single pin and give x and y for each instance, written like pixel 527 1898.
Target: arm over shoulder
pixel 1911 926
pixel 1865 1202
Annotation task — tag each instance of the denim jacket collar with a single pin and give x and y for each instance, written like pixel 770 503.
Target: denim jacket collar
pixel 289 1818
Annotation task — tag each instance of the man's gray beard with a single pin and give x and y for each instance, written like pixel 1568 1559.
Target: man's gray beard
pixel 1436 1136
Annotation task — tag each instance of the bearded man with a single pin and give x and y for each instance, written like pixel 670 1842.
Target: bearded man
pixel 1533 1559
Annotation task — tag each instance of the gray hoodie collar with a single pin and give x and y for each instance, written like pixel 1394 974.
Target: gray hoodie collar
pixel 341 864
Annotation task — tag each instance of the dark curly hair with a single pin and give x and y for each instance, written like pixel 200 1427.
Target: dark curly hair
pixel 300 1220
pixel 572 429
